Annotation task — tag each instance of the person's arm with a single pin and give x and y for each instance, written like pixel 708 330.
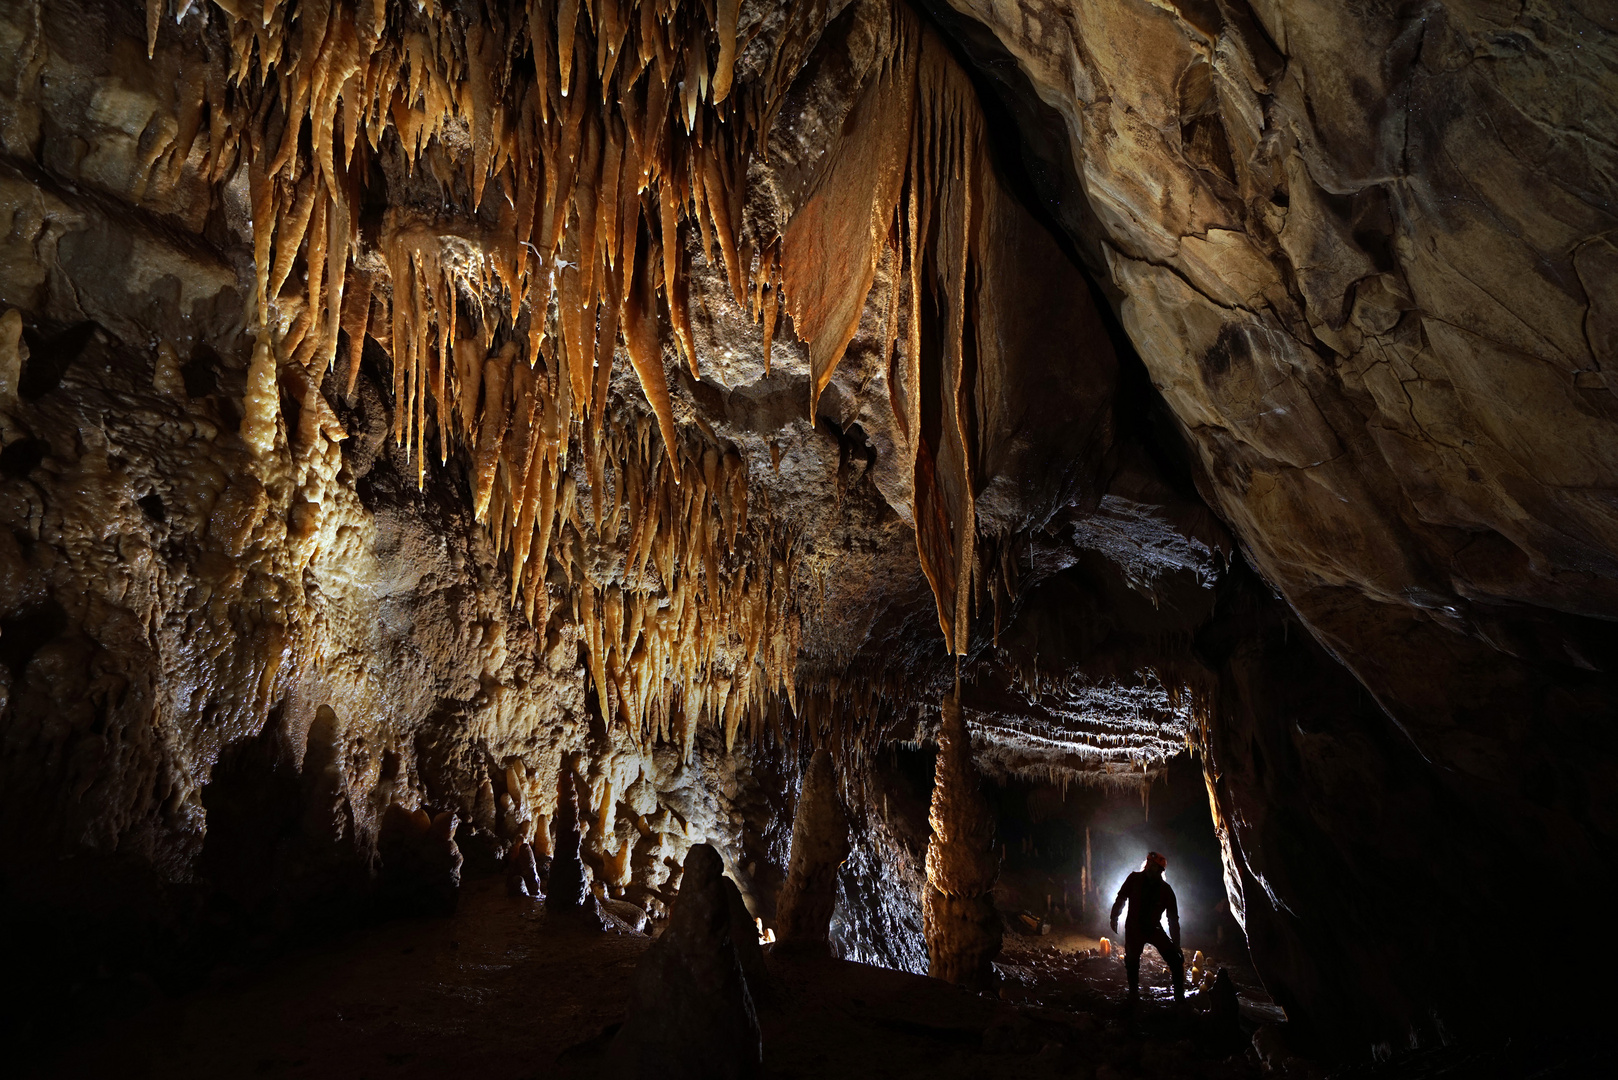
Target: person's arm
pixel 1118 904
pixel 1174 916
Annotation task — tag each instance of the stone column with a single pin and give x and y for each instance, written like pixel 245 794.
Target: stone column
pixel 958 916
pixel 819 846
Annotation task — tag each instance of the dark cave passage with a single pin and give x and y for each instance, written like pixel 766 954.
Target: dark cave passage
pixel 1068 849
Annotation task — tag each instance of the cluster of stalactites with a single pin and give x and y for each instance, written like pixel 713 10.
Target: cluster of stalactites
pixel 696 624
pixel 597 133
pixel 576 142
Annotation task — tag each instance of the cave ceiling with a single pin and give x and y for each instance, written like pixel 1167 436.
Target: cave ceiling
pixel 452 400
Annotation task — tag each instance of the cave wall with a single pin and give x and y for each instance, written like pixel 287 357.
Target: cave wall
pixel 290 639
pixel 1364 255
pixel 281 609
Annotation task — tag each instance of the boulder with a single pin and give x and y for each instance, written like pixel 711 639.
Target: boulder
pixel 421 864
pixel 691 1010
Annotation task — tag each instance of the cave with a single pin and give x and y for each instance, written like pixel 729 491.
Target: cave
pixel 716 539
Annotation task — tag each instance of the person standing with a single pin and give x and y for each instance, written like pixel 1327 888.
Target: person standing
pixel 1149 897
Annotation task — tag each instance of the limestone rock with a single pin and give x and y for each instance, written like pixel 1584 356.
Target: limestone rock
pixel 691 1010
pixel 631 915
pixel 962 927
pixel 819 846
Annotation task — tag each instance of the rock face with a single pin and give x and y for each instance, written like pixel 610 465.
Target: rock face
pixel 819 846
pixel 692 1004
pixel 1363 253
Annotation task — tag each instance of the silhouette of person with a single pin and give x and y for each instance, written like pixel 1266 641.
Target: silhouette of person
pixel 1148 897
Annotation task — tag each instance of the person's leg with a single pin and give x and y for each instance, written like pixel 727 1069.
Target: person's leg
pixel 1173 957
pixel 1133 944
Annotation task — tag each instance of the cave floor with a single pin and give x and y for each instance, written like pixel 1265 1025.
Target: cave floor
pixel 501 989
pixel 1064 969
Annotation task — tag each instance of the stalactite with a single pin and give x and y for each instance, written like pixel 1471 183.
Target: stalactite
pixel 597 155
pixel 831 248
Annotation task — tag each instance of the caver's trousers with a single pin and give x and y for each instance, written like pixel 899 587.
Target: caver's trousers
pixel 1136 940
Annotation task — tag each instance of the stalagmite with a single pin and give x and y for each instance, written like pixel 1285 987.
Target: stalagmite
pixel 959 919
pixel 261 404
pixel 567 891
pixel 692 1012
pixel 12 354
pixel 820 843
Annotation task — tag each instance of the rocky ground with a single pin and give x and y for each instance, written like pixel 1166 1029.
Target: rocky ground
pixel 503 989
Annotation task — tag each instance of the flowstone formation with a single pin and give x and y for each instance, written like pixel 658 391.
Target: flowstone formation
pixel 429 429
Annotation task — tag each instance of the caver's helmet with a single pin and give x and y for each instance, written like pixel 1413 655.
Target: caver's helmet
pixel 1156 859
